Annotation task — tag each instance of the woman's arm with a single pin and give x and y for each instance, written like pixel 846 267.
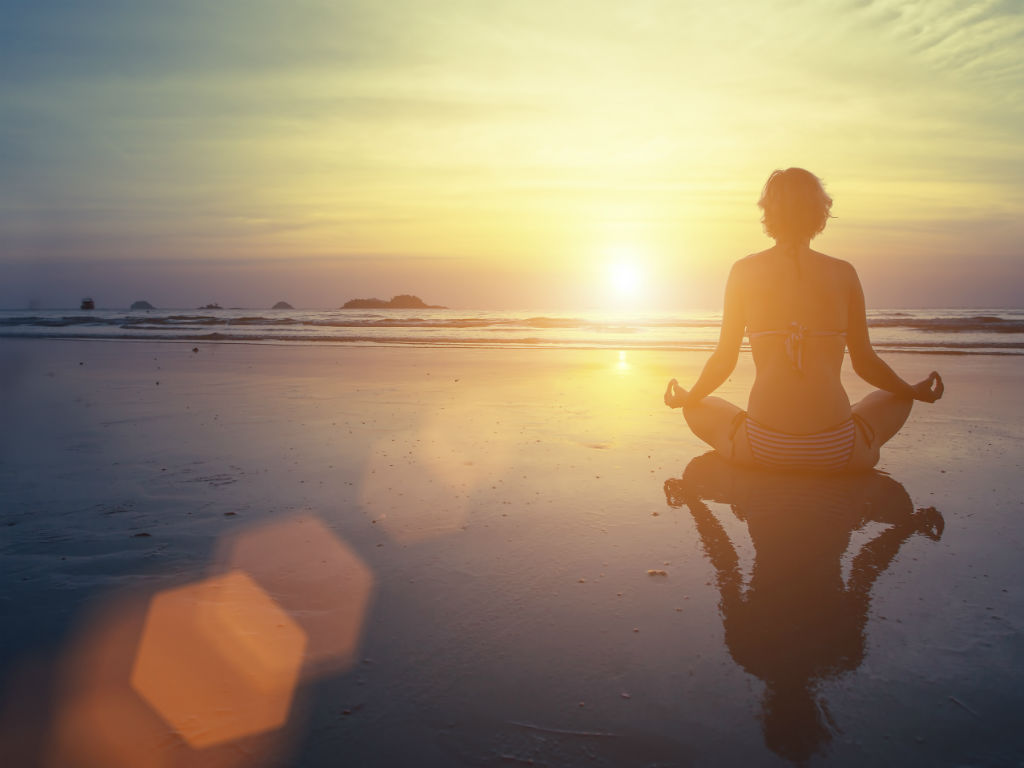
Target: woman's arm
pixel 866 362
pixel 723 359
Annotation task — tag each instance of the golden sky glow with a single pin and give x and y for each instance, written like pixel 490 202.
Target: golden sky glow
pixel 490 154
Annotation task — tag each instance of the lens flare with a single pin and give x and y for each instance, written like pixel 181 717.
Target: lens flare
pixel 218 660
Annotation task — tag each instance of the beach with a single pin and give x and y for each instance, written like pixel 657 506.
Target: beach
pixel 492 556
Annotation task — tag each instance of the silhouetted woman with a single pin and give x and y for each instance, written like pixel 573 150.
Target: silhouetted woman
pixel 801 310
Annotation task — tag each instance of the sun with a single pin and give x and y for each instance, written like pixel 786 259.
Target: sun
pixel 625 273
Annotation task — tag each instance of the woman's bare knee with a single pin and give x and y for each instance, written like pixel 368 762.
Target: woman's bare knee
pixel 712 420
pixel 864 459
pixel 880 400
pixel 885 413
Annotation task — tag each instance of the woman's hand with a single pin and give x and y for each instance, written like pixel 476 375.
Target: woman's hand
pixel 929 522
pixel 675 395
pixel 930 389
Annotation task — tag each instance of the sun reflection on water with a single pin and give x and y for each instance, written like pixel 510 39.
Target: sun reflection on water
pixel 623 366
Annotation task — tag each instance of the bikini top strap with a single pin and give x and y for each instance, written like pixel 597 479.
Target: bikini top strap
pixel 788 332
pixel 793 340
pixel 794 337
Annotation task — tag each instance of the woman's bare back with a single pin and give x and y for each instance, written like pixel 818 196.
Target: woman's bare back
pixel 795 307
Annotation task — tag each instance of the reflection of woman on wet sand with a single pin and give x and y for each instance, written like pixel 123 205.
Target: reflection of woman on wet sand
pixel 801 309
pixel 797 622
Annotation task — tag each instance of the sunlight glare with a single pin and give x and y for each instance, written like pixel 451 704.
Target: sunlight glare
pixel 622 366
pixel 625 272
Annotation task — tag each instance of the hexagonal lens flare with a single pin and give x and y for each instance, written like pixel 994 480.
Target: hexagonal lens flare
pixel 420 482
pixel 316 578
pixel 218 659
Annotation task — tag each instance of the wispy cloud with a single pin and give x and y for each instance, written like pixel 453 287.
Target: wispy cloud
pixel 317 127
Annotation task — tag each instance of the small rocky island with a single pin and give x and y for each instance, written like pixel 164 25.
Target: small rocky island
pixel 282 305
pixel 211 306
pixel 142 305
pixel 402 301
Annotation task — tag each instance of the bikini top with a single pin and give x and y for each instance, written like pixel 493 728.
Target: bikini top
pixel 793 338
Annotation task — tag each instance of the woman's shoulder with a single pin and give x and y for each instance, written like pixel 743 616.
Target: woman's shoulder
pixel 769 257
pixel 764 268
pixel 839 266
pixel 751 262
pixel 831 259
pixel 754 258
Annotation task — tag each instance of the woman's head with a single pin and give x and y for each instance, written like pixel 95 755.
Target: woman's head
pixel 795 205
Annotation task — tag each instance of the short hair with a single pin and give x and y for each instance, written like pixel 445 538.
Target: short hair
pixel 795 205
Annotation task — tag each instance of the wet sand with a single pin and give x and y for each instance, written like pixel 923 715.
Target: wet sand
pixel 489 557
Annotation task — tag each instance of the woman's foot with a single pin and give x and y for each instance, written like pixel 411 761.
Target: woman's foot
pixel 675 395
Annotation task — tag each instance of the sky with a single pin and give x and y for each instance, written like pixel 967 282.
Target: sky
pixel 501 154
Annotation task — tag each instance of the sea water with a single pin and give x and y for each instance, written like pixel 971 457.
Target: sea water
pixel 949 331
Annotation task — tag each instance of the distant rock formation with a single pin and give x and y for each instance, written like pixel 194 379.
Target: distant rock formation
pixel 402 301
pixel 142 305
pixel 282 305
pixel 212 306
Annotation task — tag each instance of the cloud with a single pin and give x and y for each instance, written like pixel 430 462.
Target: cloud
pixel 493 130
pixel 128 39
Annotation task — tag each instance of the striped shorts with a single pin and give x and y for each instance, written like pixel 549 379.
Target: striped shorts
pixel 826 451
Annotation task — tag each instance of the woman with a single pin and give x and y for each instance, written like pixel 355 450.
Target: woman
pixel 801 310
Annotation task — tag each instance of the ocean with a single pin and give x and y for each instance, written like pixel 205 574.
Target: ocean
pixel 946 331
